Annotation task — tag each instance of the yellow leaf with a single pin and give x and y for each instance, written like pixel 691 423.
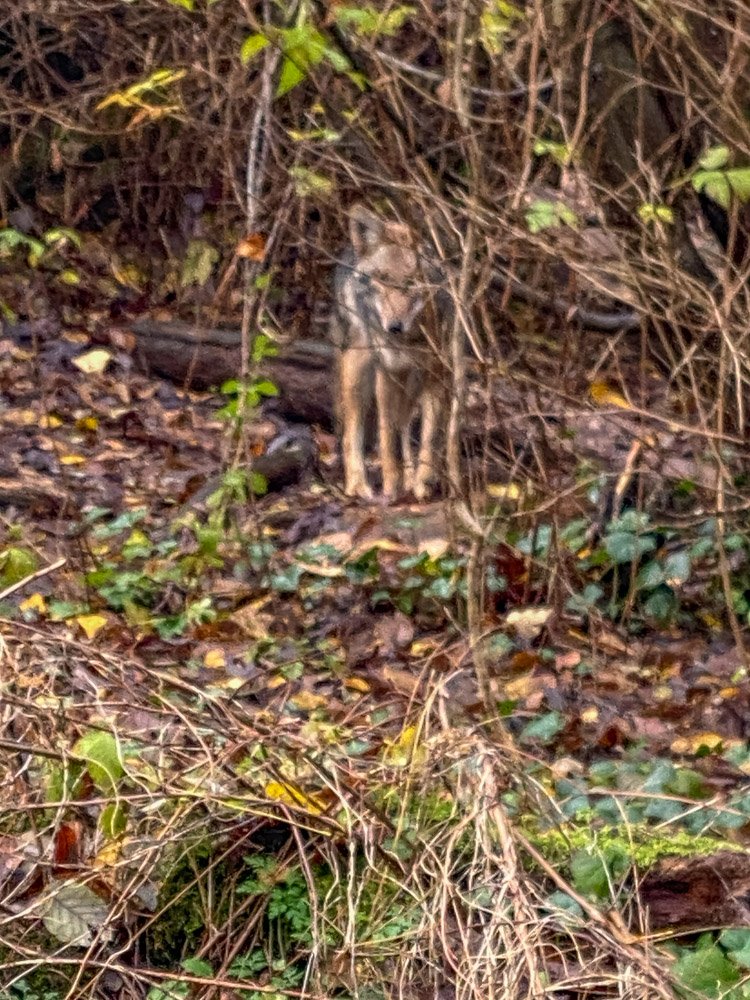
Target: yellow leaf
pixel 422 647
pixel 34 603
pixel 292 796
pixel 694 743
pixel 93 362
pixel 404 749
pixel 520 687
pixel 276 682
pixel 662 692
pixel 91 624
pixel 227 684
pixel 357 684
pixel 215 659
pixel 72 460
pixel 603 395
pixel 307 701
pixel 590 714
pixel 87 423
pixel 110 854
pixel 48 421
pixel 504 491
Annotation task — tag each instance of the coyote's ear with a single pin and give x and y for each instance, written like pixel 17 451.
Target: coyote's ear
pixel 365 229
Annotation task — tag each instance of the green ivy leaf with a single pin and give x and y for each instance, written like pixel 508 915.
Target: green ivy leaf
pixel 706 970
pixel 543 729
pixel 650 575
pixel 559 900
pixel 198 967
pixel 736 940
pixel 625 547
pixel 677 568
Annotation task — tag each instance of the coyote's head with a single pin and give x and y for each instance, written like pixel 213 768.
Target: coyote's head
pixel 387 265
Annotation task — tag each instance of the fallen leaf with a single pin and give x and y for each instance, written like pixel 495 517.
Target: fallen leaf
pixel 603 395
pixel 315 569
pixel 694 743
pixel 72 911
pixel 405 749
pixel 528 622
pixel 91 624
pixel 357 684
pixel 93 362
pixel 503 491
pixel 307 701
pixel 34 603
pixel 215 659
pixel 519 687
pixel 253 247
pixel 404 682
pixel 293 797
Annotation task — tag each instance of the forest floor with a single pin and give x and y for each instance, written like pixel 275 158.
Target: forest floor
pixel 221 711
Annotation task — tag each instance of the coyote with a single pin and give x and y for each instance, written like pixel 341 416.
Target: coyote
pixel 383 321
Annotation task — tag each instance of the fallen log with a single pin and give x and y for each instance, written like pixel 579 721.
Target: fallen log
pixel 204 358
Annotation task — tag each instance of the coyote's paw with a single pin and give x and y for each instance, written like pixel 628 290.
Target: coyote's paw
pixel 359 488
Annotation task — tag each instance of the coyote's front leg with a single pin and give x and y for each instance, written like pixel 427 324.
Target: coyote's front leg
pixel 353 393
pixel 385 401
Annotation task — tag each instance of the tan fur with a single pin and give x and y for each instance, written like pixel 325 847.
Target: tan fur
pixel 380 328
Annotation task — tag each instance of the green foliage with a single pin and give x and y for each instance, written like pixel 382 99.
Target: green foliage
pixel 638 564
pixel 720 185
pixel 542 214
pixel 366 20
pixel 51 253
pixel 16 564
pixel 245 397
pixel 33 987
pixel 200 258
pixel 649 213
pixel 135 581
pixel 650 792
pixel 559 151
pixel 303 47
pixel 172 989
pixel 707 969
pixel 103 760
pixel 543 729
pixel 496 24
pixel 420 578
